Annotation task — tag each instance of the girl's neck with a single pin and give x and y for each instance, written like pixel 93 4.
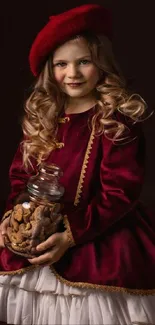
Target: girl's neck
pixel 79 105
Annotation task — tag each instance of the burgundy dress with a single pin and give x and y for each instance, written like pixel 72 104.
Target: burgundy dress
pixel 114 236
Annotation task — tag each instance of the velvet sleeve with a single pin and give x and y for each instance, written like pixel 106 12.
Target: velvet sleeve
pixel 120 183
pixel 18 177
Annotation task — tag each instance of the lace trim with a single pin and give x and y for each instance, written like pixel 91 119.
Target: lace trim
pixel 84 167
pixel 20 271
pixel 69 233
pixel 85 285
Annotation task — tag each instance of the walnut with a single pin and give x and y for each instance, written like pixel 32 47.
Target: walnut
pixel 31 224
pixel 13 223
pixel 14 237
pixel 18 212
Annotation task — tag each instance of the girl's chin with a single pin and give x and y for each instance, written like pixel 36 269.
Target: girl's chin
pixel 77 93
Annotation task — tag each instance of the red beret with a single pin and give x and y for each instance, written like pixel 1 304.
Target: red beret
pixel 63 26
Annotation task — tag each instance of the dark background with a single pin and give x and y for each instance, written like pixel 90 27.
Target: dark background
pixel 133 46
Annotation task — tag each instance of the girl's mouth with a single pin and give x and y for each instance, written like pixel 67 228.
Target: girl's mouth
pixel 75 84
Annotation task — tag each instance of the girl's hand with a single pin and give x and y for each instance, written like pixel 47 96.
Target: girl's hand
pixel 3 231
pixel 52 249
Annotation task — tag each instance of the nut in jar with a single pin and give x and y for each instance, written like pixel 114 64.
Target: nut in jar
pixel 32 222
pixel 30 225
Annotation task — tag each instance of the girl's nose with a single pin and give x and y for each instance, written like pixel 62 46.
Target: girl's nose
pixel 73 71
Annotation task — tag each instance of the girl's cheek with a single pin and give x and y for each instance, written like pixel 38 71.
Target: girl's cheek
pixel 58 77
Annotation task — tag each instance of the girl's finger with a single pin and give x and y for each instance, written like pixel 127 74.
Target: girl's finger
pixel 45 258
pixel 1 240
pixel 4 226
pixel 47 244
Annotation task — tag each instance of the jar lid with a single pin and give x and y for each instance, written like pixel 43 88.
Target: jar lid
pixel 45 184
pixel 51 169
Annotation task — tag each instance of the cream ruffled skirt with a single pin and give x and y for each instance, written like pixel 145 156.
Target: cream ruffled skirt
pixel 39 298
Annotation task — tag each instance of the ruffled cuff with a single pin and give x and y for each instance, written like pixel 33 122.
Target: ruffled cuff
pixel 68 230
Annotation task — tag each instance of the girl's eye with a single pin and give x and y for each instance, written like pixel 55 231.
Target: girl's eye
pixel 60 64
pixel 84 62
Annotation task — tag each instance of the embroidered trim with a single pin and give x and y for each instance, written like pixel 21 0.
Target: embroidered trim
pixel 69 233
pixel 6 215
pixel 20 271
pixel 63 119
pixel 84 167
pixel 85 285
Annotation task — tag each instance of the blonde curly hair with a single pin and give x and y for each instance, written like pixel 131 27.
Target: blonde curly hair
pixel 46 103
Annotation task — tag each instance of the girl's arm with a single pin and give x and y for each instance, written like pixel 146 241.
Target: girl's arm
pixel 18 177
pixel 121 179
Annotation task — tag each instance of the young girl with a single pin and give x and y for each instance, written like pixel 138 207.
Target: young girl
pixel 80 116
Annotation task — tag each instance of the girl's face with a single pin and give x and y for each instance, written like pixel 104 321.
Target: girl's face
pixel 74 70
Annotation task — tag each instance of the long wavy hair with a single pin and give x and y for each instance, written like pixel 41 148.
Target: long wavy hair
pixel 46 103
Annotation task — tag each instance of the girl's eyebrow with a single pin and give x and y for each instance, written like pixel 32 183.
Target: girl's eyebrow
pixel 80 58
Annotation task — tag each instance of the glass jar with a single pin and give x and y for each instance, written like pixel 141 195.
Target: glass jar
pixel 34 220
